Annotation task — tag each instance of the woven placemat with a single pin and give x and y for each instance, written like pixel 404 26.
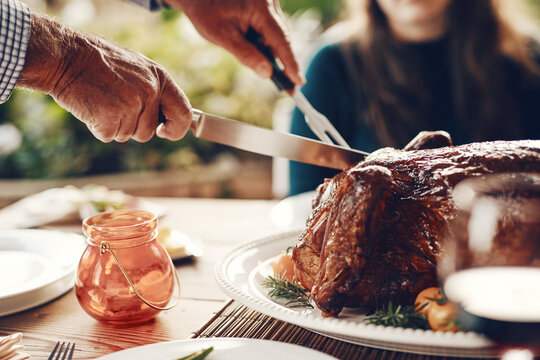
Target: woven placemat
pixel 236 320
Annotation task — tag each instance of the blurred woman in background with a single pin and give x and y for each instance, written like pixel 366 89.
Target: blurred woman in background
pixel 411 65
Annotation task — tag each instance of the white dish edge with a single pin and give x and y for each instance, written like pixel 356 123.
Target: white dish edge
pixel 467 344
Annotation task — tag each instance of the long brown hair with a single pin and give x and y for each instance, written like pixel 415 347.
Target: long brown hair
pixel 395 97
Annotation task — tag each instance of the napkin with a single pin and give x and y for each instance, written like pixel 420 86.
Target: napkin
pixel 11 347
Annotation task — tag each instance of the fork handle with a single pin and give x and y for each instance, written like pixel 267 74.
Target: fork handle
pixel 278 75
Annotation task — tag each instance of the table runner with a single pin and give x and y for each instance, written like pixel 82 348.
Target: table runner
pixel 236 320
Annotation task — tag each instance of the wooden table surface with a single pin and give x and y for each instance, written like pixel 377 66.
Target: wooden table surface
pixel 221 225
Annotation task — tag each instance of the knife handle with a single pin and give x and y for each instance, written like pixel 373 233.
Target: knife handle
pixel 278 75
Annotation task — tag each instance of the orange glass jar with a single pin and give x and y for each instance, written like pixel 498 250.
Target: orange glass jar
pixel 125 275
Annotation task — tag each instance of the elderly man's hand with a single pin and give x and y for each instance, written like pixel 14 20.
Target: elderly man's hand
pixel 116 92
pixel 225 22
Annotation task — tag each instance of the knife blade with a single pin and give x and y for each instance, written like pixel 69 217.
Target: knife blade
pixel 272 143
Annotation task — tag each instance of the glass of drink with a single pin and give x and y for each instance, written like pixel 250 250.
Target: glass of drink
pixel 491 264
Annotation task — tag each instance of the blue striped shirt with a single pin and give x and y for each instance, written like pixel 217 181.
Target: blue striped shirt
pixel 14 34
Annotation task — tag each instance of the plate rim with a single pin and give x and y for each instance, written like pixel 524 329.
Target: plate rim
pixel 345 328
pixel 2 297
pixel 287 202
pixel 61 277
pixel 113 356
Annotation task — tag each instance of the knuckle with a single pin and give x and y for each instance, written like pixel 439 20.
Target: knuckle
pixel 107 139
pixel 133 105
pixel 143 136
pixel 100 132
pixel 186 112
pixel 106 134
pixel 104 139
pixel 171 135
pixel 121 139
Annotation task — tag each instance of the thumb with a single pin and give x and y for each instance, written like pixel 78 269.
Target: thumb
pixel 175 113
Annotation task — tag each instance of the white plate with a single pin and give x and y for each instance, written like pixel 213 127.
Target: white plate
pixel 36 266
pixel 59 204
pixel 239 274
pixel 40 208
pixel 293 211
pixel 224 349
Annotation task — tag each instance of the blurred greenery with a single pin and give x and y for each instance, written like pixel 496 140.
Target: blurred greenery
pixel 55 144
pixel 329 9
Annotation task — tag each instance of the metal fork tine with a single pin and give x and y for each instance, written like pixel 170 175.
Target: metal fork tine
pixel 334 133
pixel 60 351
pixel 325 126
pixel 63 353
pixel 318 123
pixel 67 351
pixel 54 351
pixel 320 133
pixel 71 352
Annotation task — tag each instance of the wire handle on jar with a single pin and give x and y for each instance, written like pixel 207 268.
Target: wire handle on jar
pixel 106 247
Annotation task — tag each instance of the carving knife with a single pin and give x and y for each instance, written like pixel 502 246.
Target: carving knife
pixel 273 143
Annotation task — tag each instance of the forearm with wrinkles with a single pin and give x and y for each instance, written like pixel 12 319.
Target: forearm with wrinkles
pixel 50 47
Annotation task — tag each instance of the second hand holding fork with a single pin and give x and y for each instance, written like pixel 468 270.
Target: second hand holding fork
pixel 316 121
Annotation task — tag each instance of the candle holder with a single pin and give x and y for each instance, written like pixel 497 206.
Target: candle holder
pixel 125 276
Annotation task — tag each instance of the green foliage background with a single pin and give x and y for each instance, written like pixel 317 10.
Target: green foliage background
pixel 56 145
pixel 329 9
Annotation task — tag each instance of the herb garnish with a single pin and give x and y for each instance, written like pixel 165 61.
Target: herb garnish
pixel 400 316
pixel 198 355
pixel 280 288
pixel 105 205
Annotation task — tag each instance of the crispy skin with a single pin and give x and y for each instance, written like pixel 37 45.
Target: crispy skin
pixel 375 232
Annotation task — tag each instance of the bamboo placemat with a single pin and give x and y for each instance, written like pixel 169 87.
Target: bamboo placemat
pixel 236 320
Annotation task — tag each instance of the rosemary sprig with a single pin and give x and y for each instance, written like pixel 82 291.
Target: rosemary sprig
pixel 198 355
pixel 399 316
pixel 280 288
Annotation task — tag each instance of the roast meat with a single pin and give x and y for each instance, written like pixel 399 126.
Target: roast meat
pixel 375 232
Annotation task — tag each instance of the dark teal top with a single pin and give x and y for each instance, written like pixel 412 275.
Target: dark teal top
pixel 328 89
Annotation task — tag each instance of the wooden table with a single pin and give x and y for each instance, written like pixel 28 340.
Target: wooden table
pixel 203 311
pixel 221 225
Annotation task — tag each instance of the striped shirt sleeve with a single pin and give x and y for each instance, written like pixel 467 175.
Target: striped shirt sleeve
pixel 14 35
pixel 150 4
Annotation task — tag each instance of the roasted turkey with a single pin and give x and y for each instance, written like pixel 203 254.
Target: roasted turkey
pixel 375 232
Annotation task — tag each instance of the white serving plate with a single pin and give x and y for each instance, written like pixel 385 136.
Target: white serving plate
pixel 293 211
pixel 240 274
pixel 224 349
pixel 36 266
